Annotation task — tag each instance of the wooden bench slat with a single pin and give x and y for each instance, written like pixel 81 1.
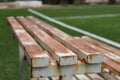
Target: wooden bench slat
pixel 47 27
pixel 84 52
pixel 81 77
pixel 103 48
pixel 31 49
pixel 95 77
pixel 36 56
pixel 115 58
pixel 63 55
pixel 110 64
pixel 107 53
pixel 43 79
pixel 57 78
pixel 102 45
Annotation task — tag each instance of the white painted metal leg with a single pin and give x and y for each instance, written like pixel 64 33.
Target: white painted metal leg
pixel 67 77
pixel 21 63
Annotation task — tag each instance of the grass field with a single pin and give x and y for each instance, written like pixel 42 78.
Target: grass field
pixel 105 26
pixel 108 27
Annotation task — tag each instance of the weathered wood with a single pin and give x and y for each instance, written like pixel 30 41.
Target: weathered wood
pixel 112 61
pixel 108 76
pixel 48 28
pixel 81 77
pixel 44 65
pixel 67 77
pixel 36 56
pixel 43 79
pixel 107 53
pixel 117 77
pixel 63 55
pixel 95 77
pixel 102 45
pixel 84 52
pixel 113 66
pixel 56 78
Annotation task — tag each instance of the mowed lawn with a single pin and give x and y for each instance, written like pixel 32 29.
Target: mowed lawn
pixel 108 27
pixel 9 57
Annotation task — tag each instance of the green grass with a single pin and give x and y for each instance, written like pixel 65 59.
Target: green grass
pixel 80 10
pixel 9 58
pixel 105 27
pixel 9 66
pixel 108 27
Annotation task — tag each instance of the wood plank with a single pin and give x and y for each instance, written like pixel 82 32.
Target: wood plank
pixel 95 77
pixel 108 76
pixel 39 79
pixel 54 78
pixel 115 59
pixel 57 78
pixel 63 55
pixel 117 77
pixel 113 66
pixel 84 52
pixel 81 77
pixel 43 79
pixel 102 45
pixel 107 53
pixel 48 28
pixel 36 56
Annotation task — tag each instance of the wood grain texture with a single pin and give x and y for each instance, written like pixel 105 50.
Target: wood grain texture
pixel 86 53
pixel 33 52
pixel 63 55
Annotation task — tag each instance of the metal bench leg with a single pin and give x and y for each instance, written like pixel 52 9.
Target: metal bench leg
pixel 21 61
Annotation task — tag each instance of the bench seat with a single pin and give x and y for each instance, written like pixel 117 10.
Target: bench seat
pixel 84 52
pixel 37 57
pixel 111 54
pixel 52 53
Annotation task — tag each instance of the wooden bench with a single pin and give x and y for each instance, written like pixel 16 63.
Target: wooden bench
pixel 61 54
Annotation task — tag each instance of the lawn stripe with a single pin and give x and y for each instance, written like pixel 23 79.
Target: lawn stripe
pixel 87 16
pixel 75 29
